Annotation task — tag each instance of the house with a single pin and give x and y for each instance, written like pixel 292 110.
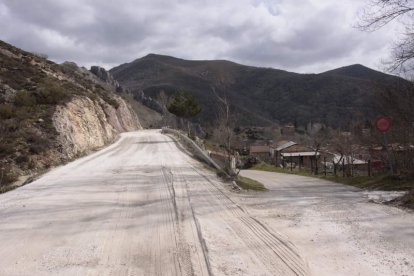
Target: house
pixel 285 151
pixel 261 152
pixel 349 160
pixel 300 155
pixel 277 147
pixel 401 155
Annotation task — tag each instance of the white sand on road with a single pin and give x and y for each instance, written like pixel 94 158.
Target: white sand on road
pixel 138 207
pixel 337 228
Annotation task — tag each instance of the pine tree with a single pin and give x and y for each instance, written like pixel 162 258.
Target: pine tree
pixel 184 105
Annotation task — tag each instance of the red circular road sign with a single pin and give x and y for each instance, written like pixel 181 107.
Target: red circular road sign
pixel 383 124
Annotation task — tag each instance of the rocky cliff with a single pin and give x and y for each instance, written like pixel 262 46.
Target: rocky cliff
pixel 51 113
pixel 84 124
pixel 106 77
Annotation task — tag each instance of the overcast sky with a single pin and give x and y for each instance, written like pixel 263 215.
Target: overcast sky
pixel 308 36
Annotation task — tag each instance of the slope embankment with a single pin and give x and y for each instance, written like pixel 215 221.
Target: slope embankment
pixel 84 125
pixel 51 113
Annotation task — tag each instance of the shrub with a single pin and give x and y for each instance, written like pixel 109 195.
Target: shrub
pixel 50 93
pixel 6 111
pixel 192 136
pixel 37 144
pixel 9 126
pixel 113 102
pixel 99 87
pixel 93 97
pixel 6 149
pixel 37 148
pixel 22 159
pixel 31 164
pixel 7 176
pixel 23 98
pixel 110 100
pixel 250 184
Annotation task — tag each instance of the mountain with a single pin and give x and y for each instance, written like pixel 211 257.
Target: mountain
pixel 262 96
pixel 51 113
pixel 359 71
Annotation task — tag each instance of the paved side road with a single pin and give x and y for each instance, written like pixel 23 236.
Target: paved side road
pixel 139 207
pixel 337 228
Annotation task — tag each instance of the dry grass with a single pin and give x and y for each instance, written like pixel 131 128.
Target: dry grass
pixel 378 182
pixel 250 184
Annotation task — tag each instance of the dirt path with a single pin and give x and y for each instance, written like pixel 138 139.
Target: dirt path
pixel 138 207
pixel 337 228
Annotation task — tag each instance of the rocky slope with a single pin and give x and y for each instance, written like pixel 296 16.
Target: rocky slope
pixel 51 113
pixel 83 124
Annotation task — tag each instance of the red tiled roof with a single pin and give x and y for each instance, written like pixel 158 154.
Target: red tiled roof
pixel 259 149
pixel 298 148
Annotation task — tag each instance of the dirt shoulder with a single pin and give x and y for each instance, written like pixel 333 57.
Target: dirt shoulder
pixel 337 228
pixel 369 183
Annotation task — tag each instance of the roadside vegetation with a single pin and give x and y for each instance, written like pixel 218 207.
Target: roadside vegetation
pixel 377 182
pixel 30 89
pixel 250 184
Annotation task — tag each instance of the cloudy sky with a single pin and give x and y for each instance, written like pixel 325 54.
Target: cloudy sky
pixel 295 35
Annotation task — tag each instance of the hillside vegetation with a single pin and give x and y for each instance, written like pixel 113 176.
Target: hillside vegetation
pixel 32 89
pixel 261 96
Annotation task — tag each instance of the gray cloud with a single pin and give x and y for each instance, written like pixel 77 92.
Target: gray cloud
pixel 301 35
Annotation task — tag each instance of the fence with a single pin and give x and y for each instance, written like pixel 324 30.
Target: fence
pixel 196 149
pixel 341 168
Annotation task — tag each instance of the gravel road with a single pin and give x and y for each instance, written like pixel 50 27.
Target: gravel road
pixel 139 207
pixel 338 229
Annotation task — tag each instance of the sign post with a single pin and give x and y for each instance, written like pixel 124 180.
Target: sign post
pixel 383 125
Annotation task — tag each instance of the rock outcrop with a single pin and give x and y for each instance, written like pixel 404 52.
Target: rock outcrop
pixel 139 95
pixel 106 77
pixel 84 124
pixel 51 113
pixel 149 102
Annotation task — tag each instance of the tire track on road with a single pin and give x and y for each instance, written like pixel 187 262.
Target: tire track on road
pixel 257 237
pixel 185 221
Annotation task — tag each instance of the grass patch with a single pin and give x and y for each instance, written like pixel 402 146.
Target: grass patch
pixel 250 184
pixel 6 188
pixel 271 168
pixel 378 182
pixel 406 200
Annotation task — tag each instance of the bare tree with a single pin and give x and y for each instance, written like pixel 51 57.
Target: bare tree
pixel 398 100
pixel 224 133
pixel 379 13
pixel 341 144
pixel 163 100
pixel 223 120
pixel 167 117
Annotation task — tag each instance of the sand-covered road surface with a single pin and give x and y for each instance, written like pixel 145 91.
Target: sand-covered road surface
pixel 139 207
pixel 338 229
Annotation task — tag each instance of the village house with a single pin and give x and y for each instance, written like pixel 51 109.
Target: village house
pixel 277 148
pixel 350 163
pixel 260 152
pixel 300 155
pixel 402 157
pixel 284 152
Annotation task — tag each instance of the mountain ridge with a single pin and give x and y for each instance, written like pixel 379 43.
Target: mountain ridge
pixel 335 98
